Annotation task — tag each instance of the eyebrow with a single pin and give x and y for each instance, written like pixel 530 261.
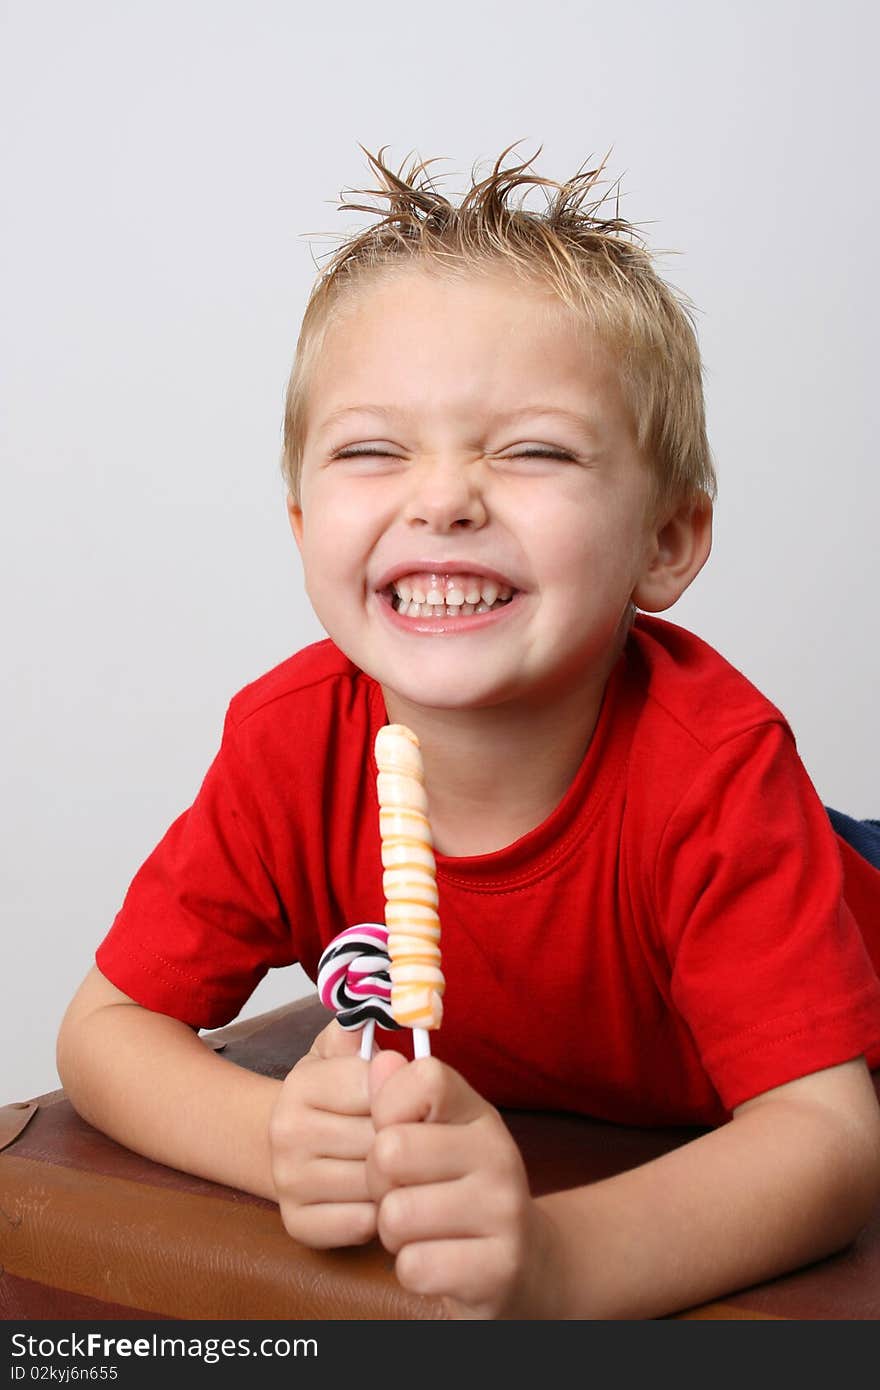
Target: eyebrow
pixel 386 412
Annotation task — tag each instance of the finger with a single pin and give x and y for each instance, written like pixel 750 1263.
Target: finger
pixel 298 1170
pixel 336 1041
pixel 440 1211
pixel 340 1136
pixel 329 1180
pixel 348 1136
pixel 328 1225
pixel 383 1066
pixel 468 1272
pixel 419 1154
pixel 426 1090
pixel 339 1085
pixel 460 1209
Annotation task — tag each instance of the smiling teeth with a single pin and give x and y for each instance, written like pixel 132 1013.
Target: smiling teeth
pixel 445 610
pixel 424 595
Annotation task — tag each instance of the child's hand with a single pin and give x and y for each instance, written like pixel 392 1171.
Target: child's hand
pixel 452 1194
pixel 319 1135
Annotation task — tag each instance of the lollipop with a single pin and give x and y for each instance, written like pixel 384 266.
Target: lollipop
pixel 353 979
pixel 410 885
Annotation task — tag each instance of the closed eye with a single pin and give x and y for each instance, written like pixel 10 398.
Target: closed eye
pixel 525 454
pixel 509 460
pixel 542 454
pixel 364 453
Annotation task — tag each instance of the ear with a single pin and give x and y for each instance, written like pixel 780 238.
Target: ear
pixel 295 516
pixel 679 549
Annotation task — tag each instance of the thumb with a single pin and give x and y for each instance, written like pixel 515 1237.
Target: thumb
pixel 382 1066
pixel 336 1041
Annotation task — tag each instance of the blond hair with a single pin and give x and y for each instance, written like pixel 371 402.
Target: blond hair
pixel 593 264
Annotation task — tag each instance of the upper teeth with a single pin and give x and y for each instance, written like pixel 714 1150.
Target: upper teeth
pixel 451 590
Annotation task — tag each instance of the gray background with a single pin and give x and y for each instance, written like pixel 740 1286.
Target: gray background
pixel 163 165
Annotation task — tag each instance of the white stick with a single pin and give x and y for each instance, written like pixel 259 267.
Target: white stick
pixel 367 1039
pixel 421 1042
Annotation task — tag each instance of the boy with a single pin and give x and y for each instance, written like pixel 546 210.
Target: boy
pixel 495 453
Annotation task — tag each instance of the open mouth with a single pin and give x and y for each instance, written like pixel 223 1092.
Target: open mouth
pixel 454 597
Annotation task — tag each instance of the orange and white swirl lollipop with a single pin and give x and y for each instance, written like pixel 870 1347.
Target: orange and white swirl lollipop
pixel 410 885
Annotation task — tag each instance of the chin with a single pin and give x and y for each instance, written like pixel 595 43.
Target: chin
pixel 449 692
pixel 434 679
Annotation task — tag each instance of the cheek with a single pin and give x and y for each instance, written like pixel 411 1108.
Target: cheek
pixel 334 575
pixel 591 555
pixel 332 541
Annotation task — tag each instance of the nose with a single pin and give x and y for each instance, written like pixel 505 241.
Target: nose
pixel 446 494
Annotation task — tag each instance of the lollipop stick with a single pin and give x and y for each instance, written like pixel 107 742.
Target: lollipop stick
pixel 367 1039
pixel 421 1042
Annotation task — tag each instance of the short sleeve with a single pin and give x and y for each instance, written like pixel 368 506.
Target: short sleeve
pixel 767 965
pixel 202 921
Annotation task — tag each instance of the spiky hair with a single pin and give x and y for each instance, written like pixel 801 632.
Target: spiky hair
pixel 595 264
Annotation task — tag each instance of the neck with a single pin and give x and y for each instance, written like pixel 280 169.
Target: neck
pixel 495 773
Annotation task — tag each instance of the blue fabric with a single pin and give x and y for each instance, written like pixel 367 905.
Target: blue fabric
pixel 863 835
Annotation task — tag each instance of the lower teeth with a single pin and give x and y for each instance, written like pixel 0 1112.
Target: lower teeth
pixel 445 612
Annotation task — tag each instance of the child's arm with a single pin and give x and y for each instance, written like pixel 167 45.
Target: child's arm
pixel 149 1082
pixel 791 1178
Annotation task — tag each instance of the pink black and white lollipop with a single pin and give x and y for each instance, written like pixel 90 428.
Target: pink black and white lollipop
pixel 354 980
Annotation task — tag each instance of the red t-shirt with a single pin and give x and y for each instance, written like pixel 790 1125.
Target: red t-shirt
pixel 675 938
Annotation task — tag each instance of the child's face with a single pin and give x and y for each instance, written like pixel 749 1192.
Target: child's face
pixel 459 477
